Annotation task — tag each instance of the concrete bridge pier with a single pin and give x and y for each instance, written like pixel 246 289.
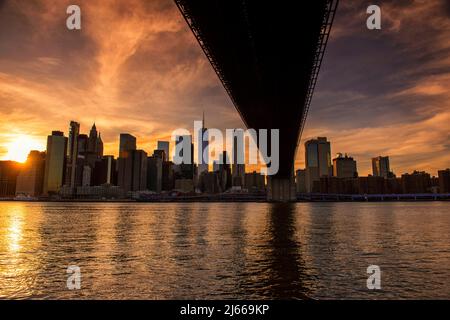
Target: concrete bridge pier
pixel 281 189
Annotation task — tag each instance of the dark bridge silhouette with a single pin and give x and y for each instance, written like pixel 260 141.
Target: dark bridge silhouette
pixel 267 55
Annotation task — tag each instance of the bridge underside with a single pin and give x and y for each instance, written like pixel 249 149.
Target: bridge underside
pixel 267 55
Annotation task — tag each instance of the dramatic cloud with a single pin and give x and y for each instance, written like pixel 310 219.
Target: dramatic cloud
pixel 386 92
pixel 135 67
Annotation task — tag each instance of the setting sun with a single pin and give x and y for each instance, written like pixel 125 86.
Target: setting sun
pixel 19 149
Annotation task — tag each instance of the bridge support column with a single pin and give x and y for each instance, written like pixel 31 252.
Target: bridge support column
pixel 281 190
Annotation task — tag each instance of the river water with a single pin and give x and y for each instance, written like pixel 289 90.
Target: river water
pixel 224 250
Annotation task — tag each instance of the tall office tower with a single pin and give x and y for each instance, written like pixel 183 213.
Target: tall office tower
pixel 380 167
pixel 55 163
pixel 105 172
pixel 31 176
pixel 202 149
pixel 223 169
pixel 124 162
pixel 139 171
pixel 133 171
pixel 72 154
pixel 300 181
pixel 160 154
pixel 9 170
pixel 238 166
pixel 86 180
pixel 318 162
pixel 83 144
pixel 165 146
pixel 155 173
pixel 187 166
pixel 344 167
pixel 99 146
pixel 168 179
pixel 127 143
pixel 93 135
pixel 95 145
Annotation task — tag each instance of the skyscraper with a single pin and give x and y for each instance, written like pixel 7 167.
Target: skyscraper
pixel 72 154
pixel 31 176
pixel 105 171
pixel 318 161
pixel 139 170
pixel 183 144
pixel 238 166
pixel 380 167
pixel 83 144
pixel 95 147
pixel 9 170
pixel 55 163
pixel 344 167
pixel 165 146
pixel 224 172
pixel 99 146
pixel 125 161
pixel 93 137
pixel 202 147
pixel 300 181
pixel 155 173
pixel 127 143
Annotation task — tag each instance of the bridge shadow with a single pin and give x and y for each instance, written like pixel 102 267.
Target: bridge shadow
pixel 286 274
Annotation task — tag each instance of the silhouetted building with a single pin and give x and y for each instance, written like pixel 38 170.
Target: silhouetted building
pixel 238 166
pixel 87 176
pixel 125 161
pixel 95 142
pixel 83 144
pixel 300 181
pixel 164 146
pixel 139 182
pixel 380 167
pixel 155 173
pixel 318 161
pixel 209 183
pixel 105 171
pixel 393 186
pixel 184 185
pixel 9 170
pixel 417 182
pixel 223 169
pixel 105 191
pixel 134 171
pixel 72 154
pixel 370 185
pixel 185 170
pixel 30 180
pixel 203 152
pixel 444 181
pixel 160 154
pixel 168 176
pixel 55 163
pixel 127 144
pixel 255 182
pixel 344 167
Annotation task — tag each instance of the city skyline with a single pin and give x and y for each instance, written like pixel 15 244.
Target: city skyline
pixel 151 77
pixel 128 141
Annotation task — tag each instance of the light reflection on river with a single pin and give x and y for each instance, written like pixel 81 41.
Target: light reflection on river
pixel 224 250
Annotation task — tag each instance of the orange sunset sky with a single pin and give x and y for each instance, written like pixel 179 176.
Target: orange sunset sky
pixel 135 67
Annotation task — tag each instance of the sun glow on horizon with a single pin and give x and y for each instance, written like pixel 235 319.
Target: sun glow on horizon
pixel 20 147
